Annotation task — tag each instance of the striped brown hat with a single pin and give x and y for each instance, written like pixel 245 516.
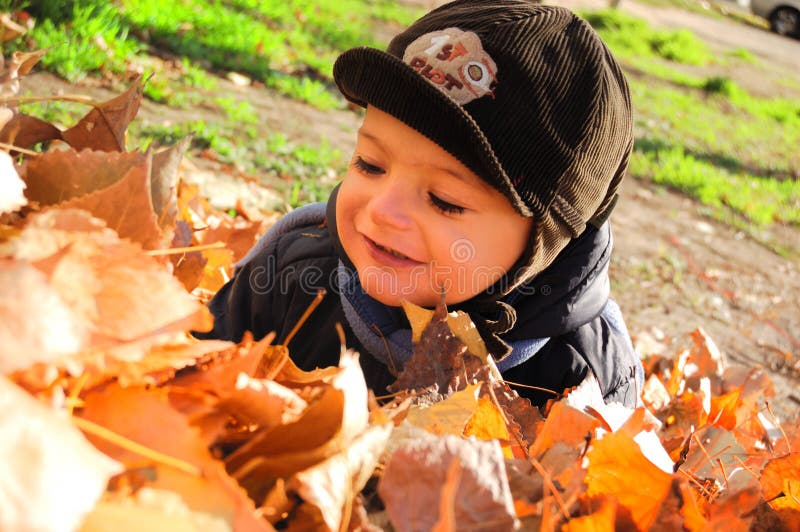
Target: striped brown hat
pixel 525 95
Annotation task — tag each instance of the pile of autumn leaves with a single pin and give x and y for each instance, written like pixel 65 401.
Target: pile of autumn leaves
pixel 113 417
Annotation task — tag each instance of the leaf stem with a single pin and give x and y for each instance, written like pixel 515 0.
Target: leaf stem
pixel 11 147
pixel 175 251
pixel 130 445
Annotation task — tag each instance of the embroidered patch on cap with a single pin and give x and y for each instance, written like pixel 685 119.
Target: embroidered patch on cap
pixel 455 62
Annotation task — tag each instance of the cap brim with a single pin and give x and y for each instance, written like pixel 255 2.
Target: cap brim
pixel 367 76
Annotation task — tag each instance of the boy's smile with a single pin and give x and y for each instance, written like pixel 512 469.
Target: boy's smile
pixel 414 220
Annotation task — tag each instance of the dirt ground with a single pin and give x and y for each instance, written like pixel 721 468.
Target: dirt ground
pixel 674 269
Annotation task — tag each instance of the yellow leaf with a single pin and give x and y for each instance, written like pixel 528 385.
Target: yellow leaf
pixel 449 416
pixel 487 422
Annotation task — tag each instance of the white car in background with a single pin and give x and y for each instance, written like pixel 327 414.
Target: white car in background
pixel 783 15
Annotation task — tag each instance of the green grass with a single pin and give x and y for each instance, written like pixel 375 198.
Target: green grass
pixel 628 36
pixel 706 136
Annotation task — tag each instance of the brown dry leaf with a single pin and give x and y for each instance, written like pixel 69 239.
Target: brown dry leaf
pixel 326 427
pixel 125 206
pixel 447 501
pixel 332 484
pixel 164 182
pixel 449 416
pixel 61 175
pixel 9 29
pixel 20 64
pixel 103 128
pixel 145 416
pixel 52 477
pixel 124 294
pixel 415 473
pixel 564 424
pixel 35 323
pixel 238 235
pixel 440 360
pixel 12 196
pixel 24 131
pixel 618 468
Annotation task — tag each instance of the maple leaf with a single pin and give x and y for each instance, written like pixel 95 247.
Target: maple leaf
pixel 42 454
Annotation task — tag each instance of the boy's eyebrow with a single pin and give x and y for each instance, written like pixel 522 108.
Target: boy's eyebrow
pixel 474 182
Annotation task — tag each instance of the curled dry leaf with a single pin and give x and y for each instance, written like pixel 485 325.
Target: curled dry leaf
pixel 327 427
pixel 333 483
pixel 415 474
pixel 52 477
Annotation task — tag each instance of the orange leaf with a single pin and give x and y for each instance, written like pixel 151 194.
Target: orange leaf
pixel 780 482
pixel 146 417
pixel 565 424
pixel 618 468
pixel 723 410
pixel 600 520
pixel 24 131
pixel 103 128
pixel 125 206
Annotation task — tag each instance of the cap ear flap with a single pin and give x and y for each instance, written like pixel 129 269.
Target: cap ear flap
pixel 603 212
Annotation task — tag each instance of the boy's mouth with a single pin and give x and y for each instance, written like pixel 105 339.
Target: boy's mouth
pixel 387 254
pixel 391 251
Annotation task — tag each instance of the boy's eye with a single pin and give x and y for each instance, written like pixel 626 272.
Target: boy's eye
pixel 444 206
pixel 366 167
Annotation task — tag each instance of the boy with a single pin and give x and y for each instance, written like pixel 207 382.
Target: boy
pixel 495 138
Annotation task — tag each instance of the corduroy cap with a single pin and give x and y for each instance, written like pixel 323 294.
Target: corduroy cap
pixel 525 95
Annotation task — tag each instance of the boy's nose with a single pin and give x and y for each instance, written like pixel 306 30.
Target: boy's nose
pixel 390 206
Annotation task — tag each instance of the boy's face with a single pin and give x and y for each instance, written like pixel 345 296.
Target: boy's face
pixel 414 220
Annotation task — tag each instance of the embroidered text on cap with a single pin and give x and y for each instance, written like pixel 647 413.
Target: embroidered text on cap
pixel 455 62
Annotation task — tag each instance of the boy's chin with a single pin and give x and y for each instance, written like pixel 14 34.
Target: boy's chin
pixel 395 299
